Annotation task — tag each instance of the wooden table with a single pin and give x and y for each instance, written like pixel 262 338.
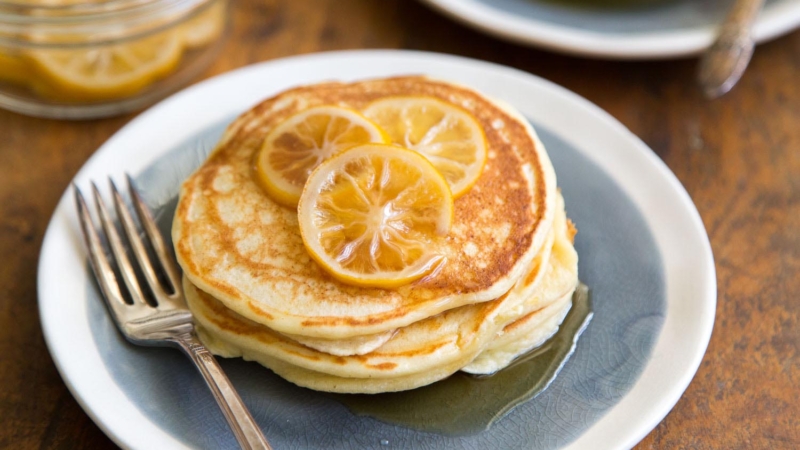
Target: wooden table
pixel 739 158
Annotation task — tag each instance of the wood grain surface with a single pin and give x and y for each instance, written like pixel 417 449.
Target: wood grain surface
pixel 738 157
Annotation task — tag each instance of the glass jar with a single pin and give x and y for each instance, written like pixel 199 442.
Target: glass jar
pixel 79 59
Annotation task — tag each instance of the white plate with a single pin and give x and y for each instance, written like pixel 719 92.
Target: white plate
pixel 90 363
pixel 674 28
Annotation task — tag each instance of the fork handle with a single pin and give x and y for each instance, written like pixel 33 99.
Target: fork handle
pixel 236 413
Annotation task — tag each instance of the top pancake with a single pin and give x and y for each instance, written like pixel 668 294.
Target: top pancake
pixel 235 243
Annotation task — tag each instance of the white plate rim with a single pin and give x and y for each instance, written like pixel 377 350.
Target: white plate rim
pixel 775 20
pixel 675 224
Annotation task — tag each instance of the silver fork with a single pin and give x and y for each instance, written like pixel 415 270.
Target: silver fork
pixel 169 321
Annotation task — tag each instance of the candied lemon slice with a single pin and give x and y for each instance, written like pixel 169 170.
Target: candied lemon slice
pixel 13 67
pixel 106 72
pixel 450 137
pixel 299 144
pixel 373 215
pixel 205 27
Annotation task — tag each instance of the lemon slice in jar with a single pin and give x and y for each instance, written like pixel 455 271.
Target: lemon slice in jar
pixel 13 68
pixel 105 72
pixel 447 135
pixel 372 216
pixel 299 144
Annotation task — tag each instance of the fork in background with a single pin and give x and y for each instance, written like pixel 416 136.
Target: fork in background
pixel 168 322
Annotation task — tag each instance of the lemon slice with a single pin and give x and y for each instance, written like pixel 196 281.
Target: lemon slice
pixel 13 68
pixel 300 143
pixel 205 27
pixel 107 72
pixel 372 216
pixel 450 137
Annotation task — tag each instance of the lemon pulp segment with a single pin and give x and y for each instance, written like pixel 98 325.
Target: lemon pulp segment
pixel 372 216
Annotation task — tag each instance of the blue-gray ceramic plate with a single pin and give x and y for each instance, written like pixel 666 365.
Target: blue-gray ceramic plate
pixel 645 29
pixel 643 250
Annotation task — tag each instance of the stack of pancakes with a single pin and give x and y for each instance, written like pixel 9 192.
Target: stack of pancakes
pixel 505 287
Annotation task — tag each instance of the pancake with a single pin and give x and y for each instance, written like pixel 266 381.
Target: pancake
pixel 357 345
pixel 329 383
pixel 524 288
pixel 560 275
pixel 455 336
pixel 538 318
pixel 234 243
pixel 520 337
pixel 439 345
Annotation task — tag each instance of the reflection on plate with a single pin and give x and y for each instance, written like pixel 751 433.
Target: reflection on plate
pixel 630 210
pixel 663 29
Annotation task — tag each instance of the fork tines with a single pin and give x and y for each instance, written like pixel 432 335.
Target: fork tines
pixel 163 289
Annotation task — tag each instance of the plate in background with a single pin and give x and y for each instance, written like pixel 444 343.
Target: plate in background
pixel 667 29
pixel 642 245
